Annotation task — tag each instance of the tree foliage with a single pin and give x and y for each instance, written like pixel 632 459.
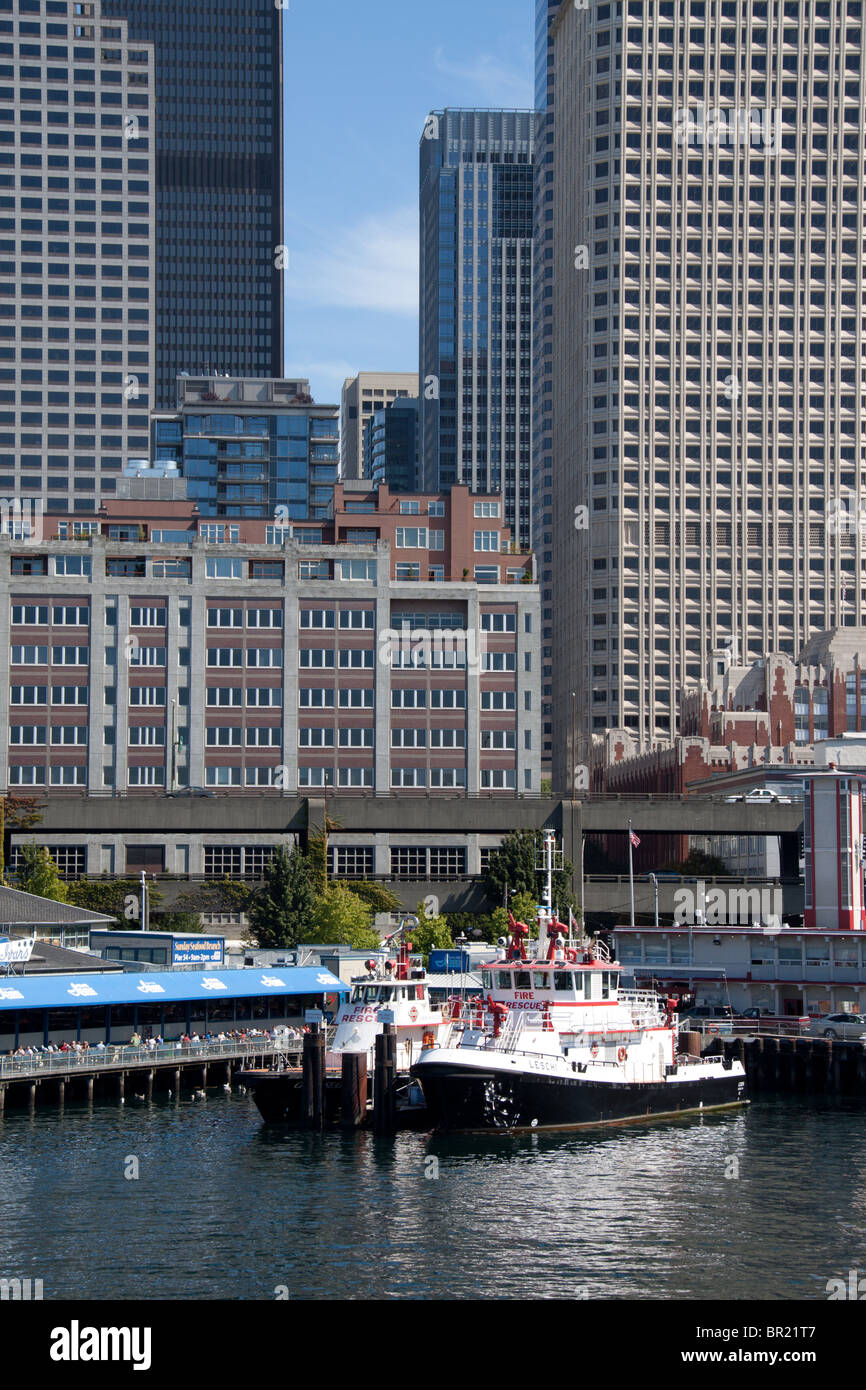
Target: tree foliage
pixel 697 861
pixel 110 896
pixel 377 896
pixel 431 934
pixel 512 866
pixel 339 918
pixel 38 874
pixel 280 910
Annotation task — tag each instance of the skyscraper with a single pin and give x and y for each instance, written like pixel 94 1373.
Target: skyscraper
pixel 542 352
pixel 218 184
pixel 76 249
pixel 708 360
pixel 476 172
pixel 361 397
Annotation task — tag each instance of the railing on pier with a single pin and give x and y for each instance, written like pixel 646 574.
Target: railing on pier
pixel 747 1027
pixel 120 1058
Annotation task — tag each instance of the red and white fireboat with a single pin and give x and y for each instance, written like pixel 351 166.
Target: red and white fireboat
pixel 556 1043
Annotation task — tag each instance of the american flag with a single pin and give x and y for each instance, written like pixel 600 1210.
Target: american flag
pixel 634 839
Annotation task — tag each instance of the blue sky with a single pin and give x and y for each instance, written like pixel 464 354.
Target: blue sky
pixel 359 82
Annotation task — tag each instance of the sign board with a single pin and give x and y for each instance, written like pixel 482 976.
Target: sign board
pixel 386 1016
pixel 16 950
pixel 197 950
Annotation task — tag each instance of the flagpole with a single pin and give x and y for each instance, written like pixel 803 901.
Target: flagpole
pixel 630 878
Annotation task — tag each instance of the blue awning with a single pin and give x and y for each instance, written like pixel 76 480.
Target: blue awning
pixel 168 986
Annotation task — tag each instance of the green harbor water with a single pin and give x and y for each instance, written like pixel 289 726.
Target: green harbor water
pixel 763 1203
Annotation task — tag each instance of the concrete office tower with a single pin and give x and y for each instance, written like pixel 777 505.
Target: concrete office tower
pixel 362 396
pixel 76 247
pixel 542 353
pixel 219 184
pixel 476 306
pixel 709 427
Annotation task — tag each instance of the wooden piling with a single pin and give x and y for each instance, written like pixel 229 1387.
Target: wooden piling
pixel 89 1087
pixel 383 1080
pixel 149 1088
pixel 31 1097
pixel 313 1079
pixel 690 1044
pixel 353 1096
pixel 121 1085
pixel 2 1099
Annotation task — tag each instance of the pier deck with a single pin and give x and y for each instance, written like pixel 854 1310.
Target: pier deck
pixel 72 1074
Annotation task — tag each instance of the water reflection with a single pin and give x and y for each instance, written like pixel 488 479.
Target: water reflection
pixel 756 1204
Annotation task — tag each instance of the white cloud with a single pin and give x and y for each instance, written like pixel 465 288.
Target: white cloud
pixel 326 377
pixel 497 82
pixel 372 265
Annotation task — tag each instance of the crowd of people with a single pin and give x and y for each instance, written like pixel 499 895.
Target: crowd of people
pixel 151 1043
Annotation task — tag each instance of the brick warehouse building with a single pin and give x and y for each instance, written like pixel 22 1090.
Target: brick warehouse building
pixel 741 727
pixel 148 649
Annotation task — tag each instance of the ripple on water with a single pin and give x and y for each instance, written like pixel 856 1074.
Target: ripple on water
pixel 226 1207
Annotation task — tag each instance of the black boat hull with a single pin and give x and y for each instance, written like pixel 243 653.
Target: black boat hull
pixel 279 1098
pixel 476 1099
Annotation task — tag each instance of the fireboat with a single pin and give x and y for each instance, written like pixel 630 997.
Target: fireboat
pixel 556 1042
pixel 393 991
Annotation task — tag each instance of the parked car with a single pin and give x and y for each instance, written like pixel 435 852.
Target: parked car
pixel 757 1013
pixel 191 791
pixel 851 1026
pixel 709 1011
pixel 761 796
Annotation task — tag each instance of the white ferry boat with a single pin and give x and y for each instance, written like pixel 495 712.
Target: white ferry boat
pixel 557 1043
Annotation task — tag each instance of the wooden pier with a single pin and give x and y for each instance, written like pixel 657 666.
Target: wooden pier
pixel 809 1065
pixel 121 1073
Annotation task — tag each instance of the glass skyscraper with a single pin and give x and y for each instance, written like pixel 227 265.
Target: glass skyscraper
pixel 476 184
pixel 219 184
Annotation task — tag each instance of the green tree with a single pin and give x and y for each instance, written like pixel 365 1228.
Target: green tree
pixel 221 895
pixel 37 873
pixel 523 906
pixel 484 926
pixel 111 897
pixel 339 918
pixel 431 933
pixel 279 911
pixel 175 921
pixel 377 896
pixel 512 866
pixel 697 861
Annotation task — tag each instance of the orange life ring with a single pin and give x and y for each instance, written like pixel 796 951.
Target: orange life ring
pixel 622 1054
pixel 594 1050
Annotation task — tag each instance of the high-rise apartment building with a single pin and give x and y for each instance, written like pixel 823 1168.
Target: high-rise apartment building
pixel 476 183
pixel 542 351
pixel 362 396
pixel 246 448
pixel 77 115
pixel 708 350
pixel 218 183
